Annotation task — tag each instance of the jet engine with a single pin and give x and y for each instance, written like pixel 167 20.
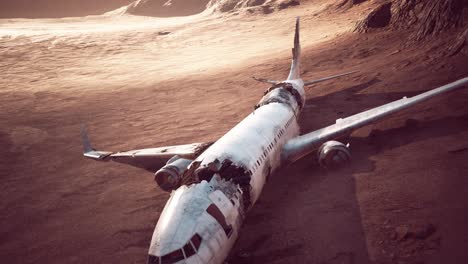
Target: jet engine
pixel 169 177
pixel 333 154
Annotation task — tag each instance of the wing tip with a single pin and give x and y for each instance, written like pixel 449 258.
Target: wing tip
pixel 85 139
pixel 88 150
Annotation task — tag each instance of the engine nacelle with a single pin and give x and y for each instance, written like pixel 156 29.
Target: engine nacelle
pixel 333 154
pixel 169 177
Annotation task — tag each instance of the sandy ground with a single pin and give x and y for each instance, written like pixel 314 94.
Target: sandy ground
pixel 402 200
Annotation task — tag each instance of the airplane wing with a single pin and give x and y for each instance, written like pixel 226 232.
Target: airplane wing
pixel 150 159
pixel 300 146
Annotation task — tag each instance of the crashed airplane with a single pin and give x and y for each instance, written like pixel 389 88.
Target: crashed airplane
pixel 213 185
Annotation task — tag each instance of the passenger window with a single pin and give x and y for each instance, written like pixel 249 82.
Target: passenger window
pixel 214 211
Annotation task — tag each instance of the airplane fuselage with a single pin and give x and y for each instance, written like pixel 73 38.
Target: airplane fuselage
pixel 255 143
pixel 230 177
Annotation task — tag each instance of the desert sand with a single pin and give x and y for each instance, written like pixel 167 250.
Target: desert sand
pixel 140 81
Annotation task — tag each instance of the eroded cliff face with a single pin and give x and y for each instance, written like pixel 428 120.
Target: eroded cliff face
pixel 426 18
pixel 232 5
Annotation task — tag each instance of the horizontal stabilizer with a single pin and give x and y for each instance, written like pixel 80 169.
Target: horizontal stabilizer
pixel 328 78
pixel 265 80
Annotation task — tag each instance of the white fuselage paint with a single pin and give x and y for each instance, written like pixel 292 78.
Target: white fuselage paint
pixel 256 144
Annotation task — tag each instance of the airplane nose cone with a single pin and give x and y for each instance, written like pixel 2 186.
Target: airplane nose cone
pixel 175 237
pixel 196 225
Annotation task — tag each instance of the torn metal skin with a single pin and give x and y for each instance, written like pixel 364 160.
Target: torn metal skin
pixel 227 170
pixel 281 93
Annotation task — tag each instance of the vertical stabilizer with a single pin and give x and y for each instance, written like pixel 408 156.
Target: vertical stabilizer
pixel 296 53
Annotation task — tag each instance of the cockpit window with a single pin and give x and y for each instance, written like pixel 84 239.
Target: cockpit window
pixel 172 257
pixel 153 259
pixel 192 246
pixel 214 211
pixel 189 249
pixel 196 241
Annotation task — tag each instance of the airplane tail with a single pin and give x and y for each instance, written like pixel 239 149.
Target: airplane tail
pixel 296 53
pixel 295 72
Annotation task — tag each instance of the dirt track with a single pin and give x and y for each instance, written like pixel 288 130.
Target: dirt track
pixel 60 208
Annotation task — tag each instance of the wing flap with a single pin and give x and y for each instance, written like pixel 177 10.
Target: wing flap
pixel 300 146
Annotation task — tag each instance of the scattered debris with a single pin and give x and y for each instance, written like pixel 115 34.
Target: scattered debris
pixel 423 232
pixel 244 254
pixel 419 232
pixel 458 150
pixel 162 33
pixel 401 232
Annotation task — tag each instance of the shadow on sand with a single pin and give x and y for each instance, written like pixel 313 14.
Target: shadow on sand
pixel 309 215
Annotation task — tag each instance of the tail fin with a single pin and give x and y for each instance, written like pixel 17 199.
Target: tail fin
pixel 296 52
